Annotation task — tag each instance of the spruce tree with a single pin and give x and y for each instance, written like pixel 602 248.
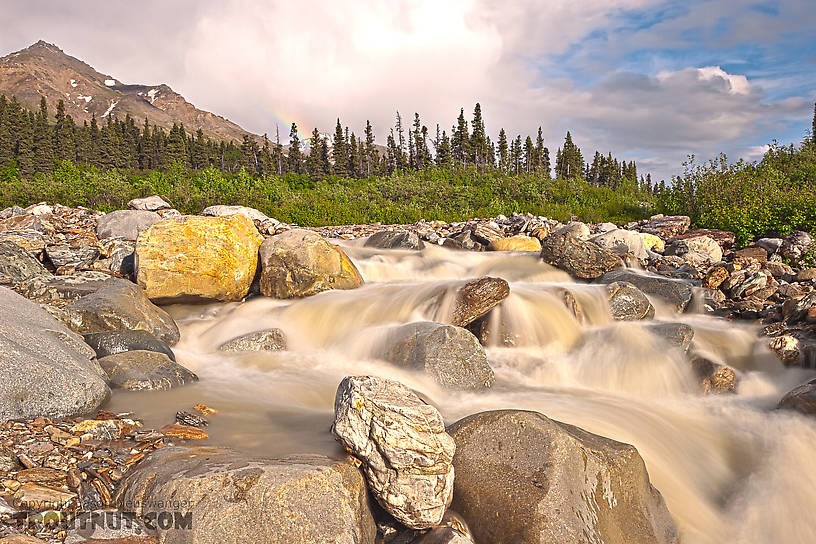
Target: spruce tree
pixel 503 150
pixel 813 126
pixel 339 155
pixel 370 150
pixel 478 139
pixel 295 157
pixel 459 140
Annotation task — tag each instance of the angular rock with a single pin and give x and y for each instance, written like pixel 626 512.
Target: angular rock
pixel 582 259
pixel 796 310
pixel 652 242
pixel 714 378
pixel 704 244
pixel 30 240
pixel 17 265
pixel 801 399
pixel 126 224
pixel 676 292
pixel 304 499
pixel 621 242
pixel 265 340
pixel 771 245
pixel 226 211
pixel 50 288
pixel 394 239
pixel 715 277
pixel 112 342
pixel 474 299
pixel 402 443
pixel 515 243
pixel 150 203
pixel 121 305
pixel 144 371
pixel 521 477
pixel 45 369
pixel 463 240
pixel 667 226
pixel 752 252
pixel 724 238
pixel 77 257
pixel 8 460
pixel 452 356
pixel 34 497
pixel 299 263
pixel 627 302
pixel 677 334
pixel 795 246
pixel 485 233
pixel 198 258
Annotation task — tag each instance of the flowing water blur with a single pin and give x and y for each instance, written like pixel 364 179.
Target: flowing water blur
pixel 730 467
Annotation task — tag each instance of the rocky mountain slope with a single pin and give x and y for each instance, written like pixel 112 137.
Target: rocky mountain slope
pixel 45 70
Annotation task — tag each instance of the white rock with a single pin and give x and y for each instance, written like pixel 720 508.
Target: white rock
pixel 150 203
pixel 221 211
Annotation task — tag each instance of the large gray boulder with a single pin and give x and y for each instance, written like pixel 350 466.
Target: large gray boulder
pixel 300 263
pixel 402 444
pixel 125 224
pixel 17 265
pixel 303 499
pixel 621 242
pixel 522 478
pixel 142 370
pixel 581 258
pixel 676 292
pixel 45 369
pixel 112 342
pixel 119 305
pixel 394 239
pixel 452 356
pixel 627 302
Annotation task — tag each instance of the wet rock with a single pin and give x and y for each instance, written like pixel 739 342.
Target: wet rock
pixel 17 265
pixel 474 299
pixel 126 224
pixel 577 229
pixel 452 356
pixel 667 226
pixel 145 371
pixel 794 348
pixel 184 432
pixel 515 243
pixel 677 334
pixel 109 527
pixel 265 340
pixel 676 292
pixel 50 288
pixel 191 420
pixel 305 499
pixel 702 244
pixel 402 443
pixel 521 477
pixel 802 399
pixel 113 342
pixel 120 305
pixel 299 263
pixel 105 429
pixel 198 258
pixel 45 369
pixel 582 259
pixel 627 302
pixel 394 239
pixel 622 242
pixel 714 378
pixel 150 203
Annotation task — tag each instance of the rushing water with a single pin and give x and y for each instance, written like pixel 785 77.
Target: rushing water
pixel 731 468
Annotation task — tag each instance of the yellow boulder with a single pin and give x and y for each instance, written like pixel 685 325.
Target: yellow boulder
pixel 515 243
pixel 652 242
pixel 192 258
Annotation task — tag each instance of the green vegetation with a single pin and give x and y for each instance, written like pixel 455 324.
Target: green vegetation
pixel 349 180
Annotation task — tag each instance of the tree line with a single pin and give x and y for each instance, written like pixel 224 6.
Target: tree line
pixel 34 140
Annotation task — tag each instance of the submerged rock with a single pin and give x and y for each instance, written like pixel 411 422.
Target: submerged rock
pixel 45 369
pixel 522 477
pixel 714 378
pixel 402 443
pixel 475 298
pixel 198 258
pixel 627 302
pixel 582 259
pixel 300 263
pixel 126 224
pixel 112 342
pixel 141 370
pixel 300 499
pixel 394 239
pixel 452 356
pixel 677 334
pixel 120 305
pixel 802 399
pixel 265 340
pixel 677 292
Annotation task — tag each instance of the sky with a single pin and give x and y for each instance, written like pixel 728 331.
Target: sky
pixel 649 80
